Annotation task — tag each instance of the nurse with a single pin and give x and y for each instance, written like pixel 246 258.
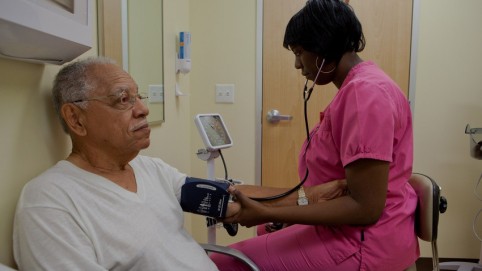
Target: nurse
pixel 363 136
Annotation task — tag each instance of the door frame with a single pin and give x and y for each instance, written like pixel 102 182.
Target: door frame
pixel 259 76
pixel 259 92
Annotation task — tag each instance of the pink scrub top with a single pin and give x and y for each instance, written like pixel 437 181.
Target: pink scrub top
pixel 368 118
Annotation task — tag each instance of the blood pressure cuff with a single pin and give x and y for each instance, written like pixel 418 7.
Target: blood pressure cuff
pixel 205 197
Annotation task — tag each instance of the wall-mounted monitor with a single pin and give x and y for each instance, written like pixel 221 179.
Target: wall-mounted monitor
pixel 213 132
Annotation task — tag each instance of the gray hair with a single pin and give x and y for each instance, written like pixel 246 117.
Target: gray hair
pixel 72 84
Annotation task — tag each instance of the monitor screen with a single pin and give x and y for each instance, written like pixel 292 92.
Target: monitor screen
pixel 213 131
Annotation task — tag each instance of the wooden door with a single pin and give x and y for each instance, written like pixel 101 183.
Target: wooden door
pixel 387 29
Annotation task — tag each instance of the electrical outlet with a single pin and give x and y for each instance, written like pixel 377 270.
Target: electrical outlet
pixel 156 93
pixel 225 93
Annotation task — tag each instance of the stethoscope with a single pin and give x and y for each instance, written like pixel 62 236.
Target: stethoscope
pixel 306 96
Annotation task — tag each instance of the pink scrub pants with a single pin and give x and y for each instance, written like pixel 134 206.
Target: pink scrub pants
pixel 295 248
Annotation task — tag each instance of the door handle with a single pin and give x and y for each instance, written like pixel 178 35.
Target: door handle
pixel 274 116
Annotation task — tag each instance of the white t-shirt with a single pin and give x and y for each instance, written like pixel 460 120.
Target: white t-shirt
pixel 70 219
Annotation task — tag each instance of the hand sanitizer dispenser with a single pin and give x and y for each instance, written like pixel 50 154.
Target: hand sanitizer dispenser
pixel 183 62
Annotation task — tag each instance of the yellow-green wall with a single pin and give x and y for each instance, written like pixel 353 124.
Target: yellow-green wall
pixel 31 137
pixel 223 52
pixel 448 96
pixel 145 62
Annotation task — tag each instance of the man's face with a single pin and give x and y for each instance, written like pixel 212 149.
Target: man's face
pixel 116 122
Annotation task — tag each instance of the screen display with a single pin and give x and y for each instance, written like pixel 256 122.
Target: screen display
pixel 213 131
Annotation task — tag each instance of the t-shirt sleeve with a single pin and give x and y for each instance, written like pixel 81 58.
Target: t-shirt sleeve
pixel 364 123
pixel 176 178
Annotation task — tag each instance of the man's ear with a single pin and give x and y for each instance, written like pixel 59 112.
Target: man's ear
pixel 74 118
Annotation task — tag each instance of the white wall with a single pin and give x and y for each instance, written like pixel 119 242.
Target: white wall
pixel 449 96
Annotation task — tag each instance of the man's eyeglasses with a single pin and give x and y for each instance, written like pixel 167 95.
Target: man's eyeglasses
pixel 122 100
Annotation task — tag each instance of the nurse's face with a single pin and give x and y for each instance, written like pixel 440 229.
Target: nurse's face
pixel 310 64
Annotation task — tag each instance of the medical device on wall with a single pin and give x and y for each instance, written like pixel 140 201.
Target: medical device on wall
pixel 213 131
pixel 183 60
pixel 475 141
pixel 205 197
pixel 476 153
pixel 44 31
pixel 215 136
pixel 209 197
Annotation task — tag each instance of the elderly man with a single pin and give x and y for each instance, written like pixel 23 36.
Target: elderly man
pixel 104 207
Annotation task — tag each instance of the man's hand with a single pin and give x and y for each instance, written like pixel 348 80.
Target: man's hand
pixel 326 191
pixel 233 207
pixel 244 210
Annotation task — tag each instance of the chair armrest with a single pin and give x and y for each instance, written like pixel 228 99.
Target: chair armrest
pixel 230 252
pixel 6 268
